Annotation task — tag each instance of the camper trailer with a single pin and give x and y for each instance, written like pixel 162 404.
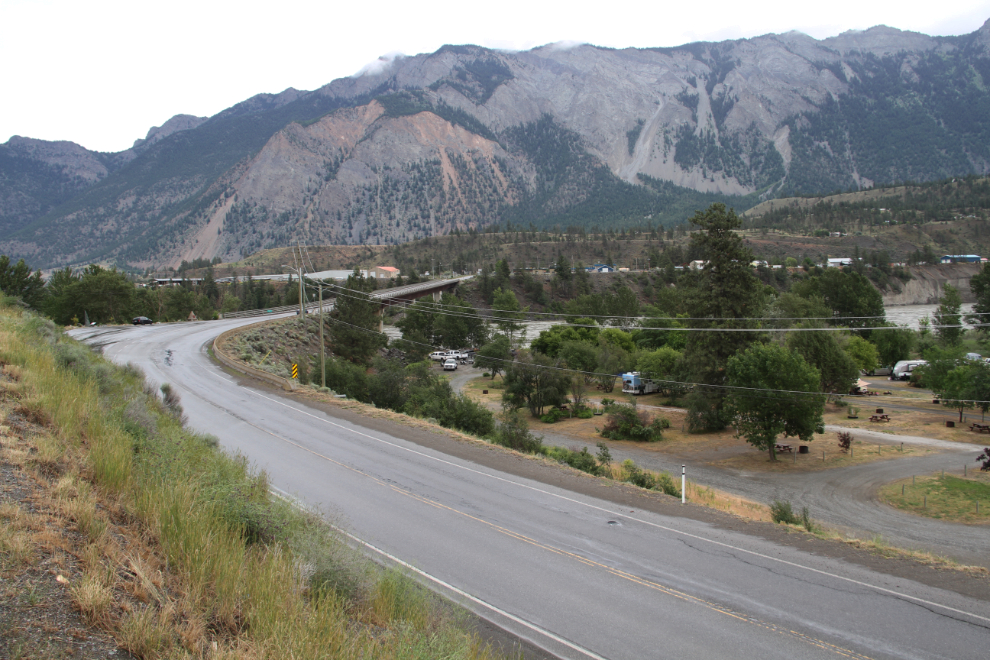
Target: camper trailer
pixel 902 370
pixel 634 383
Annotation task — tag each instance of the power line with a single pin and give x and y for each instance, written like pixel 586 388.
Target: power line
pixel 595 374
pixel 727 318
pixel 433 308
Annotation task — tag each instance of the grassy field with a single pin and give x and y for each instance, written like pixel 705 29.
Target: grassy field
pixel 945 497
pixel 182 551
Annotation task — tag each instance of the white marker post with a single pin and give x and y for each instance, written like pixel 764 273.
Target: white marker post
pixel 683 483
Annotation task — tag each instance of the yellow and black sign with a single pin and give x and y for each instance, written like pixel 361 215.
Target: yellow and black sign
pixel 295 371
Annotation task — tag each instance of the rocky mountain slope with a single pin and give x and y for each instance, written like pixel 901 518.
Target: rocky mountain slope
pixel 466 136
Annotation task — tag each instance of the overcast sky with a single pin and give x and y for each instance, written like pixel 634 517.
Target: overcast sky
pixel 102 72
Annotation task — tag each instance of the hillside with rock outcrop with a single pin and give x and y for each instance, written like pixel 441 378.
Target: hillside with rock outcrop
pixel 465 137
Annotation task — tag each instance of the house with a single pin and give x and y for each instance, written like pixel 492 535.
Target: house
pixel 961 259
pixel 601 268
pixel 384 272
pixel 838 262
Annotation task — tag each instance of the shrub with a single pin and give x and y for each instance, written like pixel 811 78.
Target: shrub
pixel 580 460
pixel 661 481
pixel 625 423
pixel 845 440
pixel 985 457
pixel 604 455
pixel 512 431
pixel 555 415
pixel 781 512
pixel 585 413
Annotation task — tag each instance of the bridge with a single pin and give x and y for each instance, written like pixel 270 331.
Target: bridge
pixel 399 295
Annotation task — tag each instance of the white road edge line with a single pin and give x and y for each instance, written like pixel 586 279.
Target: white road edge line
pixel 446 585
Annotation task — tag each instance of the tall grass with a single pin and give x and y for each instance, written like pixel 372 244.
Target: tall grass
pixel 249 573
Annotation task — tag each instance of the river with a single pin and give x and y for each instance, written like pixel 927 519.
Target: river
pixel 906 315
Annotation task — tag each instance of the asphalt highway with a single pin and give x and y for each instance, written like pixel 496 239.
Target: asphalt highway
pixel 577 576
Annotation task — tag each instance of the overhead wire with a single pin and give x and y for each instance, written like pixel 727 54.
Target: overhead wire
pixel 433 308
pixel 665 381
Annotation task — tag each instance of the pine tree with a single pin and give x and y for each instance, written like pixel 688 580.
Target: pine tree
pixel 354 321
pixel 727 292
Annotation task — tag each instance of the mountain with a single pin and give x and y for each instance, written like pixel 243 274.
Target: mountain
pixel 466 136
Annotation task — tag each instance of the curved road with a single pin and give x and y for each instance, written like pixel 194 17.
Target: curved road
pixel 845 498
pixel 578 576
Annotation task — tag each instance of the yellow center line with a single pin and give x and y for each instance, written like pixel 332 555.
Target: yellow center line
pixel 655 586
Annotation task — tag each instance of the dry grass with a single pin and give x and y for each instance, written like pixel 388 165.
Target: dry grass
pixel 879 545
pixel 161 565
pixel 716 499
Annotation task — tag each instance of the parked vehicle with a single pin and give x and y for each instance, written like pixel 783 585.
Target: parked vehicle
pixel 141 320
pixel 902 370
pixel 634 383
pixel 440 356
pixel 450 364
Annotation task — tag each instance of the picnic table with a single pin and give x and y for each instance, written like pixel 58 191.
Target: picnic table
pixel 784 448
pixel 880 418
pixel 980 428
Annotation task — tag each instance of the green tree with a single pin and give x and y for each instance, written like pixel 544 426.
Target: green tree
pixel 507 313
pixel 863 353
pixel 623 303
pixel 57 304
pixel 102 295
pixel 980 286
pixel 18 281
pixel 354 321
pixel 494 356
pixel 727 292
pixel 955 388
pixel 563 269
pixel 581 356
pixel 782 396
pixel 658 364
pixel 947 317
pixel 893 345
pixel 553 338
pixel 611 361
pixel 535 381
pixel 821 349
pixel 848 295
pixel 418 320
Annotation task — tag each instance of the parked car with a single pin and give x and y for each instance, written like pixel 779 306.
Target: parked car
pixel 141 320
pixel 450 364
pixel 439 356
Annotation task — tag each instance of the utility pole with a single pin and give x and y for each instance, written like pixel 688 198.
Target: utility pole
pixel 323 347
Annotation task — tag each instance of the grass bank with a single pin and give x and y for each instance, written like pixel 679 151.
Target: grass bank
pixel 943 496
pixel 183 551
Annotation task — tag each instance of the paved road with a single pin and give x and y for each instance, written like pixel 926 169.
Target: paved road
pixel 581 577
pixel 844 498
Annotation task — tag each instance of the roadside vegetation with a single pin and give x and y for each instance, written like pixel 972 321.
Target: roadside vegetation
pixel 184 551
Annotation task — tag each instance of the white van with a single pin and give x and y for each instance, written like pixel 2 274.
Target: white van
pixel 902 370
